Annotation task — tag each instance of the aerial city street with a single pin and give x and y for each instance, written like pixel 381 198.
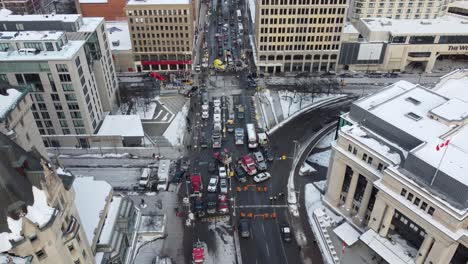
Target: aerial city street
pixel 234 131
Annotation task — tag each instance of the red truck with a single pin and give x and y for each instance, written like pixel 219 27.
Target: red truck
pixel 197 185
pixel 248 164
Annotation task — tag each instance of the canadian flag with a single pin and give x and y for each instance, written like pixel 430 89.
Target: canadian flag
pixel 344 247
pixel 442 145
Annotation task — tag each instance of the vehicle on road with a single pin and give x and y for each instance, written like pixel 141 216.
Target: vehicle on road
pixel 286 232
pixel 223 188
pixel 204 96
pixel 346 75
pixel 260 160
pixel 244 228
pixel 391 75
pixel 223 207
pixel 199 207
pixel 163 174
pixel 197 186
pixel 144 178
pixel 216 136
pixel 239 15
pixel 198 253
pixel 213 184
pixel 241 29
pixel 222 172
pixel 203 141
pixel 248 165
pixel 268 154
pixel 197 68
pixel 217 102
pixel 211 167
pixel 262 139
pixel 205 111
pixel 251 136
pixel 240 112
pixel 263 176
pixel 240 174
pixel 211 203
pixel 239 136
pixel 217 118
pixel 217 110
pixel 223 156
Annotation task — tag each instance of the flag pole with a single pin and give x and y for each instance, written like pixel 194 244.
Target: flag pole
pixel 440 162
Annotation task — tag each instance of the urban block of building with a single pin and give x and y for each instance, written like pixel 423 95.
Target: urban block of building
pixel 162 33
pixel 398 171
pixel 121 45
pixel 16 118
pixel 67 62
pixel 399 9
pixel 297 35
pixel 391 45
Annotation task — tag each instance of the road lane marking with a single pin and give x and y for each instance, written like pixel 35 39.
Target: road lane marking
pixel 268 250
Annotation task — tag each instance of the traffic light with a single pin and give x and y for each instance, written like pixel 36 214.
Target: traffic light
pixel 283 157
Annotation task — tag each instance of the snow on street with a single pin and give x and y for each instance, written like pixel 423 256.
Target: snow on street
pixel 320 158
pixel 291 102
pixel 224 241
pixel 176 130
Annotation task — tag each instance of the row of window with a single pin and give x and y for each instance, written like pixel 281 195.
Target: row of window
pixel 366 158
pixel 161 20
pixel 417 201
pixel 298 57
pixel 298 47
pixel 157 36
pixel 302 11
pixel 417 12
pixel 158 12
pixel 160 28
pixel 298 38
pixel 160 49
pixel 298 30
pixel 429 39
pixel 302 20
pixel 303 2
pixel 391 4
pixel 156 57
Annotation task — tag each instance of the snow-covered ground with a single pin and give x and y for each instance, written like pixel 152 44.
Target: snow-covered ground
pixel 321 185
pixel 320 158
pixel 144 107
pixel 224 241
pixel 176 130
pixel 291 102
pixel 326 141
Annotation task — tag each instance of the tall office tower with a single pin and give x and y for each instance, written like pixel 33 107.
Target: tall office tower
pixel 162 34
pixel 398 9
pixel 67 62
pixel 298 35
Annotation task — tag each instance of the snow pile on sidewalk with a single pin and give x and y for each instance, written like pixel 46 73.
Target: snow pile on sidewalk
pixel 320 158
pixel 223 251
pixel 176 130
pixel 326 141
pixel 291 101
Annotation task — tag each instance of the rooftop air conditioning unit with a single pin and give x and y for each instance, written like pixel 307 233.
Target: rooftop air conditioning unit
pixel 464 21
pixel 116 43
pixel 386 23
pixel 426 22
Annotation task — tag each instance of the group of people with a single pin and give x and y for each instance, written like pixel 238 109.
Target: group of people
pixel 274 198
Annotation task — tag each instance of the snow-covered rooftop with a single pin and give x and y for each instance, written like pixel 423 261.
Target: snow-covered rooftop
pixel 119 35
pixel 68 51
pixel 8 102
pixel 454 85
pixel 7 259
pixel 347 233
pixel 459 4
pixel 452 110
pixel 53 17
pixel 158 2
pixel 350 29
pixel 252 8
pixel 122 125
pixel 446 25
pixel 90 24
pixel 30 35
pixel 39 213
pixel 112 216
pixel 90 200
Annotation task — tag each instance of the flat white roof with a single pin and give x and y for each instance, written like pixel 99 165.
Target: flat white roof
pixel 158 2
pixel 8 101
pixel 452 110
pixel 393 253
pixel 350 29
pixel 55 17
pixel 68 52
pixel 112 216
pixel 447 25
pixel 347 233
pixel 119 33
pixel 460 4
pixel 90 201
pixel 30 35
pixel 454 86
pixel 90 24
pixel 122 125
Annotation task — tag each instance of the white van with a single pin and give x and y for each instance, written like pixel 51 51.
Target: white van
pixel 262 139
pixel 144 178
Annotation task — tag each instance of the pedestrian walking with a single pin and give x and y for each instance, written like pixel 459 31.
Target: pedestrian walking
pixel 271 199
pixel 274 198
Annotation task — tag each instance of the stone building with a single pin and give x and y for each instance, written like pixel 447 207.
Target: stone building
pixel 399 9
pixel 398 171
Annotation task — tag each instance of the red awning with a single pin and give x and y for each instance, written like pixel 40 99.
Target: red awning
pixel 166 62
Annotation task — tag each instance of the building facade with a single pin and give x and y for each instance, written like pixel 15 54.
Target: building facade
pixel 111 10
pixel 16 118
pixel 66 60
pixel 39 218
pixel 298 35
pixel 391 45
pixel 162 34
pixel 394 175
pixel 399 9
pixel 121 45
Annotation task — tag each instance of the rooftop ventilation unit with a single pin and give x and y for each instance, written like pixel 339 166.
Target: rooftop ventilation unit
pixel 414 116
pixel 464 21
pixel 116 43
pixel 426 22
pixel 386 23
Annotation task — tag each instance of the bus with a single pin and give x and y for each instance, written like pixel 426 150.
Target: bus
pixel 241 29
pixel 239 16
pixel 252 136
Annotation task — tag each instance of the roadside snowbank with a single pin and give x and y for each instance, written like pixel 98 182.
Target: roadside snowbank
pixel 176 130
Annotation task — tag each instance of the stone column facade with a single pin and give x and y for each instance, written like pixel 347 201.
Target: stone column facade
pixel 365 202
pixel 424 249
pixel 335 179
pixel 351 191
pixel 387 221
pixel 377 214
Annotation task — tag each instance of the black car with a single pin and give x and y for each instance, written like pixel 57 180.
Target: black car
pixel 391 75
pixel 220 53
pixel 211 167
pixel 286 232
pixel 346 75
pixel 268 155
pixel 203 141
pixel 244 228
pixel 240 174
